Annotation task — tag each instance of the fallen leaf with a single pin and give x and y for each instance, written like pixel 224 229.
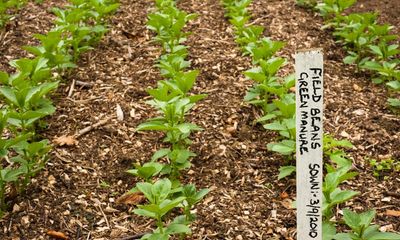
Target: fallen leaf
pixel 287 203
pixel 393 213
pixel 131 198
pixel 65 140
pixel 284 195
pixel 357 88
pixel 58 235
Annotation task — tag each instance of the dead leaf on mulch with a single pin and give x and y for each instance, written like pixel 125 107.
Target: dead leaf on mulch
pixel 287 203
pixel 65 140
pixel 393 213
pixel 58 235
pixel 131 198
pixel 284 195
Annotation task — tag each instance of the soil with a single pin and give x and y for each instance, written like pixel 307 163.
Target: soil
pixel 76 194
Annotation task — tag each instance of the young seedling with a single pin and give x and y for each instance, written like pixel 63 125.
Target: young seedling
pixel 53 48
pixel 160 204
pixel 361 227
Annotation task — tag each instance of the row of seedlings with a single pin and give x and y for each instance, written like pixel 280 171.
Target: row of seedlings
pixel 6 9
pixel 370 45
pixel 171 98
pixel 25 94
pixel 273 94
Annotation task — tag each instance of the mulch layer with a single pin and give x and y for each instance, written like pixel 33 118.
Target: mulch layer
pixel 77 192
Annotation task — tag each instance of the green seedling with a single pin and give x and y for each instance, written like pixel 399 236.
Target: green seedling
pixel 147 171
pixel 248 35
pixel 53 48
pixel 192 197
pixel 80 35
pixel 264 49
pixel 361 227
pixel 32 157
pixel 329 8
pixel 168 25
pixel 394 103
pixel 236 8
pixel 104 184
pixel 385 165
pixel 6 6
pixel 171 65
pixel 26 93
pixel 8 174
pixel 337 173
pixel 177 130
pixel 160 204
pixel 307 3
pixel 101 9
pixel 332 193
pixel 384 51
pixel 386 72
pixel 265 78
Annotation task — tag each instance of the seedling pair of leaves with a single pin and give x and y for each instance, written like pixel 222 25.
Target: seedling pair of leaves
pixel 264 49
pixel 8 174
pixel 361 228
pixel 26 93
pixel 177 160
pixel 384 165
pixel 98 9
pixel 172 121
pixel 80 35
pixel 307 3
pixel 53 48
pixel 237 8
pixel 162 199
pixel 331 8
pixel 356 34
pixel 168 25
pixel 172 65
pixel 267 83
pixel 29 157
pixel 5 6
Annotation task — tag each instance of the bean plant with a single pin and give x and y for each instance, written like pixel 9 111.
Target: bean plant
pixel 273 94
pixel 6 6
pixel 370 45
pixel 173 101
pixel 26 92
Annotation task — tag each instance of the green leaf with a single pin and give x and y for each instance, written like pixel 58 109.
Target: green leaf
pixel 160 154
pixel 384 236
pixel 394 85
pixel 352 219
pixel 175 228
pixel 285 147
pixel 146 189
pixel 153 125
pixel 341 196
pixel 350 59
pixel 145 213
pixel 188 127
pixel 167 205
pixel 161 189
pixel 328 231
pixel 11 175
pixel 344 236
pixel 367 217
pixel 394 102
pixel 286 171
pixel 9 94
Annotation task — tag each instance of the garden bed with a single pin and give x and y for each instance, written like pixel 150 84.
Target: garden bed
pixel 77 192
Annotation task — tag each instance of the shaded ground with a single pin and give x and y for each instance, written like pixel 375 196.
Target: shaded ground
pixel 77 192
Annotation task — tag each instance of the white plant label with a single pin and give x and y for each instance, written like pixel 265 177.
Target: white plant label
pixel 309 137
